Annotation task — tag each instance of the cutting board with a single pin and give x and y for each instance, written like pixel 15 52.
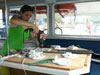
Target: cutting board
pixel 76 63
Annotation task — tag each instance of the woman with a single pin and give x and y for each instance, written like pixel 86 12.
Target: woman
pixel 18 24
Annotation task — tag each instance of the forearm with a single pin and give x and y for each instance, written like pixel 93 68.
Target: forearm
pixel 40 35
pixel 33 36
pixel 15 20
pixel 21 22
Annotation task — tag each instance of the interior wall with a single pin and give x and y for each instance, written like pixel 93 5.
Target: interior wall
pixel 91 45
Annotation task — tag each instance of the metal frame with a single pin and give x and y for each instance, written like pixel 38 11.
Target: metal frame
pixel 6 16
pixel 51 17
pixel 18 3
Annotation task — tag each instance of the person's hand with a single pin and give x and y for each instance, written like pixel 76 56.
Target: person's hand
pixel 43 36
pixel 35 29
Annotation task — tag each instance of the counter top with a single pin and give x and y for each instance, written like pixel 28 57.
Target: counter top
pixel 79 65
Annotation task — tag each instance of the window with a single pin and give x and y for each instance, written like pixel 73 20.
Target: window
pixel 41 18
pixel 77 19
pixel 2 26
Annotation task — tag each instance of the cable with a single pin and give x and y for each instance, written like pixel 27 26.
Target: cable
pixel 23 66
pixel 1 60
pixel 58 8
pixel 75 13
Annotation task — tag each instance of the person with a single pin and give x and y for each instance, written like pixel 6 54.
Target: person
pixel 16 32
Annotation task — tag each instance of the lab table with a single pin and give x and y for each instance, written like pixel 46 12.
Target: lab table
pixel 79 65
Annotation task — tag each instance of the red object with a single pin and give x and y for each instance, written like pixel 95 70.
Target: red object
pixel 41 9
pixel 62 8
pixel 88 27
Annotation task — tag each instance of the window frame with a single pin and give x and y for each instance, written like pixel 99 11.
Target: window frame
pixel 69 37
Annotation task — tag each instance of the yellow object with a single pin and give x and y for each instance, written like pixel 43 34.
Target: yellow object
pixel 5 70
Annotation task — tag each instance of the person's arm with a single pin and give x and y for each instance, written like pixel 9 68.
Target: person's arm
pixel 33 35
pixel 44 36
pixel 15 20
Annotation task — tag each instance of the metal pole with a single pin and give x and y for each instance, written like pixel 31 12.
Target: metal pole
pixel 35 15
pixel 6 18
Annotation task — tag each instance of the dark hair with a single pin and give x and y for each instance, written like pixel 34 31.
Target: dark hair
pixel 26 8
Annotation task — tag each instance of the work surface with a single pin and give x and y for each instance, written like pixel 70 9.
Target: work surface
pixel 78 65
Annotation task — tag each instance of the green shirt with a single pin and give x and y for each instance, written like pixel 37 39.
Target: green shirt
pixel 16 37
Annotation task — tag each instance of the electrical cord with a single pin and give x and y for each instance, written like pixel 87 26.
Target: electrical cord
pixel 23 66
pixel 25 55
pixel 1 60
